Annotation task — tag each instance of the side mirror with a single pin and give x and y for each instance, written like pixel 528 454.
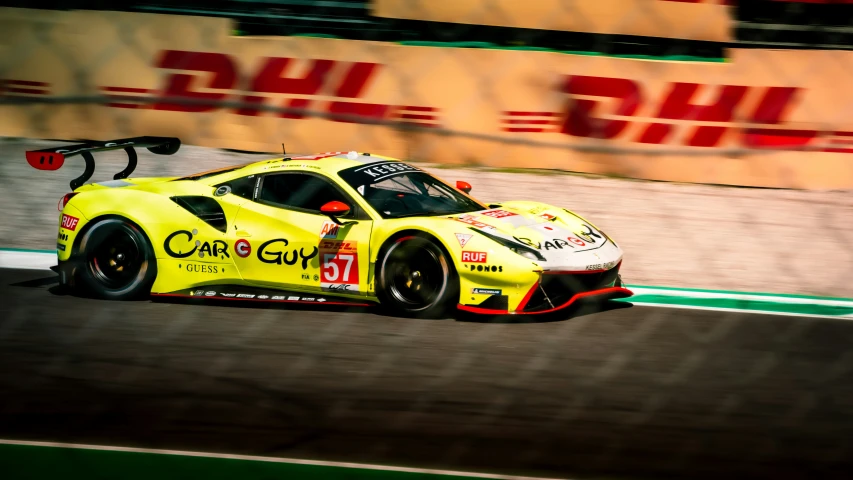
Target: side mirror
pixel 464 186
pixel 335 209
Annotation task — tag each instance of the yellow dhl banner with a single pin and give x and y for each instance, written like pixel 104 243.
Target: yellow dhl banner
pixel 766 118
pixel 710 20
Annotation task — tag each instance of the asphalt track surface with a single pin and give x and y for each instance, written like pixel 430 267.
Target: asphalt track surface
pixel 628 392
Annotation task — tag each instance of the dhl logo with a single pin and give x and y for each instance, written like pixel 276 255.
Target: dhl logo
pixel 338 245
pixel 587 116
pixel 347 82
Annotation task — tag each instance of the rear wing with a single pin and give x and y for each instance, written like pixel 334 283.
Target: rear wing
pixel 54 158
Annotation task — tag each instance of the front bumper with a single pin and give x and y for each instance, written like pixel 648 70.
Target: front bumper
pixel 558 290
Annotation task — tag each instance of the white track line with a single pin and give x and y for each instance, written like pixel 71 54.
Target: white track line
pixel 27 260
pixel 297 461
pixel 741 296
pixel 740 310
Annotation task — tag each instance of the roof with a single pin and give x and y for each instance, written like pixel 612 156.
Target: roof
pixel 329 162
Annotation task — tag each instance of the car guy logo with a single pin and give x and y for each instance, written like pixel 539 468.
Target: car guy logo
pixel 274 255
pixel 242 248
pixel 182 244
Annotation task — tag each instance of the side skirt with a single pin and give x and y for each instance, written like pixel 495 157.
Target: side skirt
pixel 257 294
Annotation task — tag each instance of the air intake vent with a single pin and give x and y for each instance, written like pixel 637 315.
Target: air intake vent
pixel 204 208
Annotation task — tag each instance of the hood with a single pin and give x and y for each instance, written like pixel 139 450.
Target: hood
pixel 563 239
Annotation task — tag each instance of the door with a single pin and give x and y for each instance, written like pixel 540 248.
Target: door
pixel 283 240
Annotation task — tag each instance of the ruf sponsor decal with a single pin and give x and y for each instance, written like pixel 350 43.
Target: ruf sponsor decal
pixel 474 257
pixel 69 223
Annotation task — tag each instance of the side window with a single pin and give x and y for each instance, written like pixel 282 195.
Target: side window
pixel 300 191
pixel 242 187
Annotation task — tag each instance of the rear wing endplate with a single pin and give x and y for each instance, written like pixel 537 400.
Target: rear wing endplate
pixel 53 158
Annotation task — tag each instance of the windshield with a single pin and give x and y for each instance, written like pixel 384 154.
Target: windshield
pixel 397 190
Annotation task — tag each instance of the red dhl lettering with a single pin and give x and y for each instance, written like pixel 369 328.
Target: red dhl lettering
pixel 210 77
pixel 763 128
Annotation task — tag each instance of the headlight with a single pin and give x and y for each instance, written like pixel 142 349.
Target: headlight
pixel 525 251
pixel 526 254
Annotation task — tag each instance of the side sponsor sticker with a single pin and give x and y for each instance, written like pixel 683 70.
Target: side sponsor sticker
pixel 486 291
pixel 339 266
pixel 242 248
pixel 69 222
pixel 474 257
pixel 463 239
pixel 470 220
pixel 498 214
pixel 329 230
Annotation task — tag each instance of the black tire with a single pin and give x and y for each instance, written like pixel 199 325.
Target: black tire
pixel 416 278
pixel 115 260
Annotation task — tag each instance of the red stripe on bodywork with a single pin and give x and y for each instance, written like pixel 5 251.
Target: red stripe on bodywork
pixel 482 311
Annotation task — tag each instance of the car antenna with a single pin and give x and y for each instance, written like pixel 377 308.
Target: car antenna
pixel 283 151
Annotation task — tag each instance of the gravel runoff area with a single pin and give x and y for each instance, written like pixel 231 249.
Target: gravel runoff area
pixel 675 235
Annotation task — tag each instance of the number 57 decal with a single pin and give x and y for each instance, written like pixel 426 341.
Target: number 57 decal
pixel 339 271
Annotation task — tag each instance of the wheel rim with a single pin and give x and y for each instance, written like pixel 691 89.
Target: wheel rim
pixel 115 260
pixel 416 277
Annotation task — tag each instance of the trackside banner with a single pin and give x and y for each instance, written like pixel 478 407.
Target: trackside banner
pixel 765 118
pixel 709 20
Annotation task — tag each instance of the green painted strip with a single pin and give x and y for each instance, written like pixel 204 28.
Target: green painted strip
pixel 50 463
pixel 27 250
pixel 755 305
pixel 734 292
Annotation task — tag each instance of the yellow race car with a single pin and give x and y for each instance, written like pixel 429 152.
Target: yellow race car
pixel 336 228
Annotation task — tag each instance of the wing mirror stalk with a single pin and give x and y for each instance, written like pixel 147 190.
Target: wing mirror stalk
pixel 335 209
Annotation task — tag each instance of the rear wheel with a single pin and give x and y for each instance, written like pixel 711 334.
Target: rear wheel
pixel 416 278
pixel 116 260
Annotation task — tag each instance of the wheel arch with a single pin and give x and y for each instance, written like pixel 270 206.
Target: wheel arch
pixel 453 274
pixel 75 247
pixel 407 232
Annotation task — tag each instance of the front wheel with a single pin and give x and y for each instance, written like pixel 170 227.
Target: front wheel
pixel 416 278
pixel 116 260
